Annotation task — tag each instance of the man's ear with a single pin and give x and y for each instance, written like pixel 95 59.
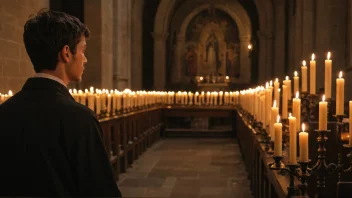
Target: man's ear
pixel 65 54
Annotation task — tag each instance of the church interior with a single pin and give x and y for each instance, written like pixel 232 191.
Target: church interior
pixel 210 98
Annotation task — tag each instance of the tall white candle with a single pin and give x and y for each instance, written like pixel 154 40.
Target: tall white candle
pixel 278 138
pixel 284 102
pixel 323 114
pixel 296 107
pixel 312 75
pixel 293 140
pixel 303 145
pixel 304 71
pixel 340 95
pixel 295 82
pixel 327 80
pixel 287 82
pixel 274 114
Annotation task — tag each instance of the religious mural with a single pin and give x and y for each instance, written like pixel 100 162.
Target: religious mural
pixel 212 45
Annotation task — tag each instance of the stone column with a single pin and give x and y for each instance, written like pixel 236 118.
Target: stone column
pixel 123 77
pixel 177 66
pixel 245 60
pixel 93 72
pixel 262 69
pixel 136 72
pixel 159 59
pixel 107 45
pixel 279 39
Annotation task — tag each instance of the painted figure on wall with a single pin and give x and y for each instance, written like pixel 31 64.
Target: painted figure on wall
pixel 212 52
pixel 232 61
pixel 191 61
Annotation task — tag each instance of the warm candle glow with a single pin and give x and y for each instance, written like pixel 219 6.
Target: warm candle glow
pixel 201 78
pixel 296 73
pixel 297 94
pixel 278 118
pixel 340 75
pixel 328 56
pixel 323 98
pixel 287 78
pixel 276 80
pixel 313 57
pixel 10 93
pixel 279 89
pixel 249 46
pixel 227 77
pixel 271 83
pixel 290 115
pixel 274 105
pixel 304 63
pixel 303 127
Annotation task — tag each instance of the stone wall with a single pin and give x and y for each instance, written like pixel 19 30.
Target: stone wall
pixel 15 66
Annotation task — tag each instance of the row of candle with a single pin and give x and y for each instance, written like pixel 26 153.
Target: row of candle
pixel 257 102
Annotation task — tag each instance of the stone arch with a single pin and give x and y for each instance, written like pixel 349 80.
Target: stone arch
pixel 239 15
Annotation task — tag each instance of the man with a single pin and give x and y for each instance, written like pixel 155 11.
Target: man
pixel 50 144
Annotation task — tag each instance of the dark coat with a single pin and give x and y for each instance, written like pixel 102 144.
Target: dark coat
pixel 51 145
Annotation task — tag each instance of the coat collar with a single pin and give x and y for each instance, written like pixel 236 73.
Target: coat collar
pixel 39 83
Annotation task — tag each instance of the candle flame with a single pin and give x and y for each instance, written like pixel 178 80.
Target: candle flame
pixel 296 73
pixel 287 78
pixel 304 63
pixel 10 93
pixel 271 83
pixel 323 98
pixel 249 46
pixel 297 94
pixel 266 85
pixel 278 118
pixel 276 80
pixel 279 89
pixel 274 105
pixel 289 115
pixel 340 75
pixel 313 57
pixel 328 56
pixel 303 127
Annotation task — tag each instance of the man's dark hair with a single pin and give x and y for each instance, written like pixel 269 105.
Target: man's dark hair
pixel 47 33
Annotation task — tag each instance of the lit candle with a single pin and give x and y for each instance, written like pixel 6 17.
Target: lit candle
pixel 312 75
pixel 303 145
pixel 327 87
pixel 284 102
pixel 287 82
pixel 278 138
pixel 340 94
pixel 296 110
pixel 274 114
pixel 323 114
pixel 304 71
pixel 277 92
pixel 295 82
pixel 293 140
pixel 350 128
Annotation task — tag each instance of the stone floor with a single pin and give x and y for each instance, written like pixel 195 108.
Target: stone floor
pixel 188 168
